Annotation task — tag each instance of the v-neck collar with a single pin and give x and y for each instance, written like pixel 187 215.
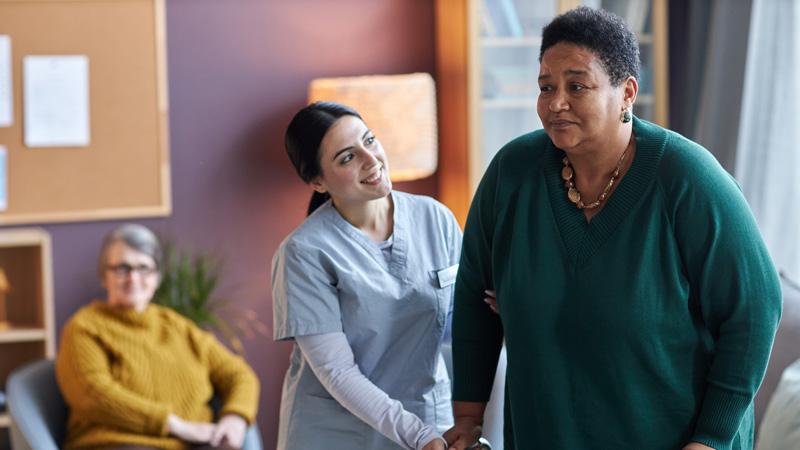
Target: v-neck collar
pixel 582 239
pixel 397 262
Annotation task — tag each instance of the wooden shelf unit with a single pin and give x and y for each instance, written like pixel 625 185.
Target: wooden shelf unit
pixel 25 256
pixel 23 335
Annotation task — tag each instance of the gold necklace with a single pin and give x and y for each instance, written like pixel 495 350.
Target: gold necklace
pixel 574 195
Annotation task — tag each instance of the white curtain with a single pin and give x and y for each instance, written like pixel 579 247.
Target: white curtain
pixel 768 151
pixel 719 101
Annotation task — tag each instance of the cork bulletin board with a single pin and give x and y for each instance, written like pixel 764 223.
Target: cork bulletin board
pixel 123 172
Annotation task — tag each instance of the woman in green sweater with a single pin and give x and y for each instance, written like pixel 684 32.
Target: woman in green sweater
pixel 636 298
pixel 139 376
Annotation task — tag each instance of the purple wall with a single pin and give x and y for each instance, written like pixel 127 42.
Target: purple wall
pixel 238 70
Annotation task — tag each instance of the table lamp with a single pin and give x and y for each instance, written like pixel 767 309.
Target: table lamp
pixel 4 288
pixel 400 109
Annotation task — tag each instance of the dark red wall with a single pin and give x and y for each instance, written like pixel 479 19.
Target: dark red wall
pixel 238 70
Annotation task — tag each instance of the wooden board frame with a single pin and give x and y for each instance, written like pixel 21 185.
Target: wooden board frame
pixel 125 171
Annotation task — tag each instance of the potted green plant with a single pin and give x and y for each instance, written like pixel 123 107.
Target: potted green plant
pixel 188 286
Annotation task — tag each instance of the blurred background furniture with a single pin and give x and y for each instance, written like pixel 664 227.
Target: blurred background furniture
pixel 780 425
pixel 39 414
pixel 785 350
pixel 777 404
pixel 28 331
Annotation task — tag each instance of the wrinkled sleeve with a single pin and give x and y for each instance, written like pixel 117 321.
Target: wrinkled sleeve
pixel 477 331
pixel 453 237
pixel 231 377
pixel 304 295
pixel 331 358
pixel 83 371
pixel 737 290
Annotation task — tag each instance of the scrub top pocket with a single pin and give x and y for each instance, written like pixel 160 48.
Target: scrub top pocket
pixel 444 297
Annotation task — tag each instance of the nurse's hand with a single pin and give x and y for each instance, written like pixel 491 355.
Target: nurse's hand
pixel 464 434
pixel 436 444
pixel 491 300
pixel 192 432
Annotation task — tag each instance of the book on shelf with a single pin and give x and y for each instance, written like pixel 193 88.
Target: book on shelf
pixel 487 26
pixel 500 18
pixel 636 15
pixel 512 19
pixel 634 12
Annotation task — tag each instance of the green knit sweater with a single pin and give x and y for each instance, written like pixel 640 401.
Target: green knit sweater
pixel 123 372
pixel 648 328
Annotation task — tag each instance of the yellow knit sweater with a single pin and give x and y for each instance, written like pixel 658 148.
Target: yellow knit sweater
pixel 122 373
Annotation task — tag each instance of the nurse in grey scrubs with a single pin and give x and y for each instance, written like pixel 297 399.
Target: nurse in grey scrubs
pixel 364 288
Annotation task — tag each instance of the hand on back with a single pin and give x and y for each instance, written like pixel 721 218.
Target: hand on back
pixel 491 300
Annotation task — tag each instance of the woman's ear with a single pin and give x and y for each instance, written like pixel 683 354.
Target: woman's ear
pixel 630 87
pixel 318 185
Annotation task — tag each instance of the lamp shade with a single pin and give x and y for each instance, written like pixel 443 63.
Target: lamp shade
pixel 400 110
pixel 4 286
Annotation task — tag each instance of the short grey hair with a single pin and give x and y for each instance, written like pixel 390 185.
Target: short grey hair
pixel 135 236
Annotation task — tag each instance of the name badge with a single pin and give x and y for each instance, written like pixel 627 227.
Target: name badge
pixel 447 276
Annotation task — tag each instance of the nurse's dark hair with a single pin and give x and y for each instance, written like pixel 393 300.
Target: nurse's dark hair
pixel 304 136
pixel 603 33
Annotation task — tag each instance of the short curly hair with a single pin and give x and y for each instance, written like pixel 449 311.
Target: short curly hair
pixel 602 32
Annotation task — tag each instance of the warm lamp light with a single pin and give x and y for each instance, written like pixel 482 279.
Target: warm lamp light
pixel 4 288
pixel 400 109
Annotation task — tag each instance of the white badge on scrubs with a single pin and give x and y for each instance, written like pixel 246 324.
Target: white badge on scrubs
pixel 447 276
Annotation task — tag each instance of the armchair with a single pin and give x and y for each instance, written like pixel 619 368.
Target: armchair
pixel 39 414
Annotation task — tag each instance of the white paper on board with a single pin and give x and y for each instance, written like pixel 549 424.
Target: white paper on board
pixel 56 101
pixel 3 178
pixel 6 88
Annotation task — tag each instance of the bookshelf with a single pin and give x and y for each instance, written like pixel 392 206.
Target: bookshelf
pixel 487 69
pixel 28 334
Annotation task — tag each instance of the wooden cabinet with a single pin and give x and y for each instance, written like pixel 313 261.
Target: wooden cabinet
pixel 487 66
pixel 28 333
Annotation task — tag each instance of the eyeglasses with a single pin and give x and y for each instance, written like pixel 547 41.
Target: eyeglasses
pixel 124 270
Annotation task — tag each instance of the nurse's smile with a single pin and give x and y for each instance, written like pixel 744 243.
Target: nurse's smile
pixel 353 164
pixel 375 178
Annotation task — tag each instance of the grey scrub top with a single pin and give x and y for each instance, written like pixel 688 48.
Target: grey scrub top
pixel 328 276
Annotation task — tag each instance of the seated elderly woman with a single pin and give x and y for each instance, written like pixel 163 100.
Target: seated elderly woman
pixel 139 375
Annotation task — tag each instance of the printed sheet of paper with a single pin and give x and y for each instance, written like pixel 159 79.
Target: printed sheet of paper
pixel 6 88
pixel 3 178
pixel 56 101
